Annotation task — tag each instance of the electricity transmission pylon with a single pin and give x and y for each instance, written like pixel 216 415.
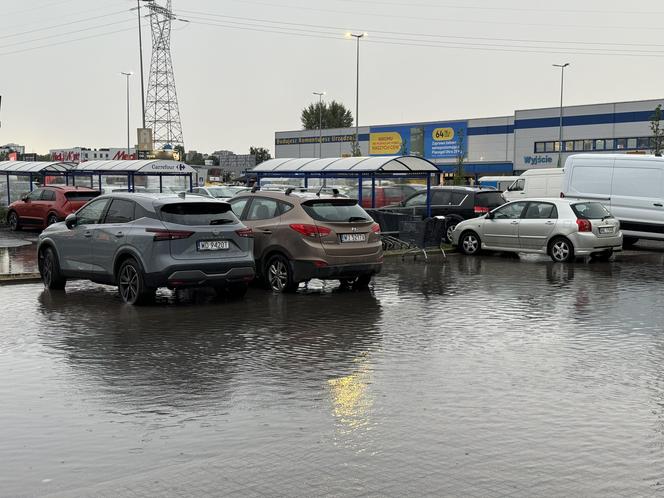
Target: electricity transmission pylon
pixel 161 112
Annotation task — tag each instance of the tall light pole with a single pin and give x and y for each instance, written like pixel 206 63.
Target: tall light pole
pixel 127 74
pixel 560 130
pixel 320 122
pixel 357 36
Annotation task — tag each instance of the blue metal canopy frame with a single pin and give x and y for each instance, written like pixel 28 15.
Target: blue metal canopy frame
pixel 406 167
pixel 33 170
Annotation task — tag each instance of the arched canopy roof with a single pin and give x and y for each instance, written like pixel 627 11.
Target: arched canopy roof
pixel 27 167
pixel 148 166
pixel 378 164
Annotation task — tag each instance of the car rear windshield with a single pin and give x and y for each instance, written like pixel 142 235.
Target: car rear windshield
pixel 335 210
pixel 590 210
pixel 80 196
pixel 489 199
pixel 198 213
pixel 221 192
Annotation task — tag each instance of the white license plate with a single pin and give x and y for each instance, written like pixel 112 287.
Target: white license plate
pixel 606 230
pixel 212 245
pixel 353 237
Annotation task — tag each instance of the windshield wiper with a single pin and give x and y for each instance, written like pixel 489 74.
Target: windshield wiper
pixel 222 221
pixel 357 218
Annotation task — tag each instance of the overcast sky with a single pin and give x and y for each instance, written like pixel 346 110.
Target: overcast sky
pixel 245 68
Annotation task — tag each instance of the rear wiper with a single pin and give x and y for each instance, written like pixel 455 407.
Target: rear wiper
pixel 357 218
pixel 221 222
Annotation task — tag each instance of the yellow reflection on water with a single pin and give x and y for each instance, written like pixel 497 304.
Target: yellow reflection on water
pixel 350 396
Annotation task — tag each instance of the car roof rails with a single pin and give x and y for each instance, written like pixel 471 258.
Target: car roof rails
pixel 255 189
pixel 289 190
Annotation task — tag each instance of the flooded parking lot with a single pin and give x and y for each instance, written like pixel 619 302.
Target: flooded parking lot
pixel 488 376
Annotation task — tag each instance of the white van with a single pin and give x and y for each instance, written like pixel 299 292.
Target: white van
pixel 498 182
pixel 545 182
pixel 630 186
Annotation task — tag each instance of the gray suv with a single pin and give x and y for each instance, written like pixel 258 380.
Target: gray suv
pixel 140 242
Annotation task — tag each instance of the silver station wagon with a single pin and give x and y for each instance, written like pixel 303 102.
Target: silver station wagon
pixel 561 228
pixel 140 242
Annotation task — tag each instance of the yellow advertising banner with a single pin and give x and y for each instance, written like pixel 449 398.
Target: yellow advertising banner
pixel 385 143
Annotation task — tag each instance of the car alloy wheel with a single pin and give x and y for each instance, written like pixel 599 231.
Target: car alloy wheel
pixel 470 243
pixel 277 275
pixel 449 231
pixel 51 219
pixel 50 270
pixel 13 221
pixel 561 250
pixel 129 284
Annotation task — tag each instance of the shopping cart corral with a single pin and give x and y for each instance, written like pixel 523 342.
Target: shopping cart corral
pixel 410 233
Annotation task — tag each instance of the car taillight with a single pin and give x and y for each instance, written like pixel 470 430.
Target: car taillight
pixel 480 209
pixel 245 232
pixel 310 230
pixel 375 228
pixel 165 234
pixel 584 225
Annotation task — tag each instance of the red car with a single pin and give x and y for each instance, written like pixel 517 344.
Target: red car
pixel 47 205
pixel 385 195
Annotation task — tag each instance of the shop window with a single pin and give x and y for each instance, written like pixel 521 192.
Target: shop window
pixel 548 146
pixel 643 143
pixel 631 143
pixel 599 144
pixel 621 143
pixel 569 146
pixel 556 146
pixel 539 147
pixel 578 145
pixel 610 144
pixel 417 141
pixel 587 145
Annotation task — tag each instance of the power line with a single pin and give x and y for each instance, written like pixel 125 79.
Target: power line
pixel 448 20
pixel 68 23
pixel 38 7
pixel 426 35
pixel 424 43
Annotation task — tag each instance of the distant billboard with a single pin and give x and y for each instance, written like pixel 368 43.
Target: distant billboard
pixel 432 141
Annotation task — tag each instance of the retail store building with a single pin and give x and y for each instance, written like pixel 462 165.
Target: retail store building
pixel 504 145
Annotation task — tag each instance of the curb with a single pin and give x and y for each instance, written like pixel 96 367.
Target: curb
pixel 19 278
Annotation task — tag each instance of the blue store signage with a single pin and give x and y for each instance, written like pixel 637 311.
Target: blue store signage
pixel 446 140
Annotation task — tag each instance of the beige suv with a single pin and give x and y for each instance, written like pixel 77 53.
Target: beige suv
pixel 302 235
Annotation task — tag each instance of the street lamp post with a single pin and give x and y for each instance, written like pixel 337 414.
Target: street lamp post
pixel 357 36
pixel 320 122
pixel 560 128
pixel 127 74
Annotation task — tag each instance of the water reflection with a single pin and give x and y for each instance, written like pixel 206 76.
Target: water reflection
pixel 192 358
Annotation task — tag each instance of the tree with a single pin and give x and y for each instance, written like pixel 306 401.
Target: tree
pixel 355 150
pixel 459 178
pixel 261 154
pixel 334 115
pixel 195 159
pixel 179 150
pixel 657 131
pixel 3 156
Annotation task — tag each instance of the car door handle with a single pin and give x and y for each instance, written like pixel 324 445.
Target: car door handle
pixel 87 234
pixel 550 222
pixel 514 223
pixel 658 204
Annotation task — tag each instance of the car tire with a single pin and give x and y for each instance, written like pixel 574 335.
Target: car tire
pixel 13 221
pixel 470 243
pixel 279 275
pixel 561 250
pixel 131 284
pixel 630 241
pixel 49 269
pixel 357 283
pixel 449 228
pixel 51 218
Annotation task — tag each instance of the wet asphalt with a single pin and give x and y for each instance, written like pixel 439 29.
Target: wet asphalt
pixel 486 376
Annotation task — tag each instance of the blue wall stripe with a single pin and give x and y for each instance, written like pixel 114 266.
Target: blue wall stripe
pixel 478 168
pixel 589 119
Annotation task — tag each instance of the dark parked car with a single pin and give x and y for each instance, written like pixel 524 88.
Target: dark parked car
pixel 140 242
pixel 47 205
pixel 455 203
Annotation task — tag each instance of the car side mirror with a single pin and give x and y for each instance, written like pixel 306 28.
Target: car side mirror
pixel 25 197
pixel 490 216
pixel 71 220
